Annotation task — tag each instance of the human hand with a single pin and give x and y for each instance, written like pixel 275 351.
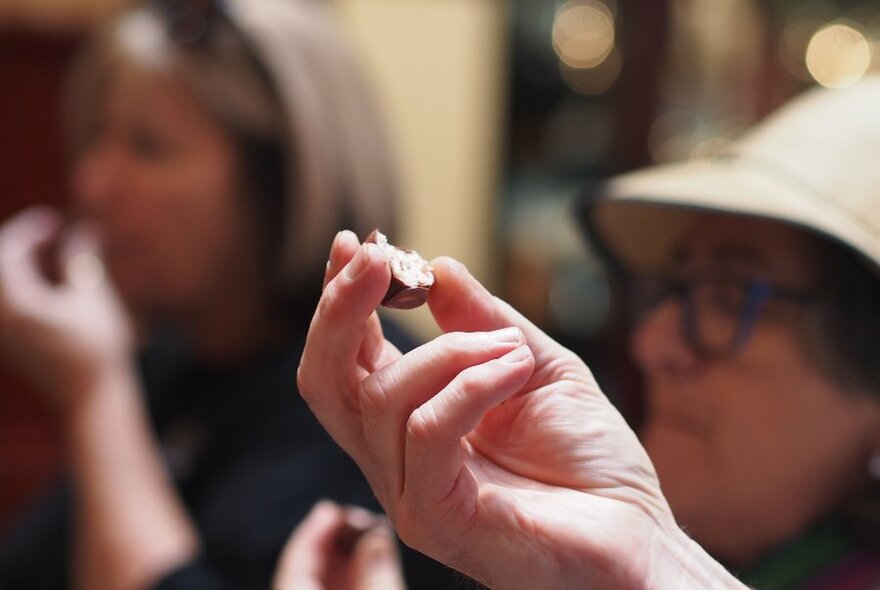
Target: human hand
pixel 491 448
pixel 62 337
pixel 338 548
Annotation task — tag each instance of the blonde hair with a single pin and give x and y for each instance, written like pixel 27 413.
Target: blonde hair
pixel 275 70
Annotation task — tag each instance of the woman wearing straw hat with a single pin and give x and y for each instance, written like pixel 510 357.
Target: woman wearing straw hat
pixel 756 275
pixel 216 147
pixel 757 280
pixel 493 450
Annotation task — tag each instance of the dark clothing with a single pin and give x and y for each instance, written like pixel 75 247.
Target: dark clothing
pixel 249 461
pixel 828 557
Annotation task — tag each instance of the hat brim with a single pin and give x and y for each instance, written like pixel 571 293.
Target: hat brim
pixel 639 219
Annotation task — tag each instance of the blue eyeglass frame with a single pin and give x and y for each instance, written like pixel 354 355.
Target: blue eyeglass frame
pixel 190 22
pixel 759 292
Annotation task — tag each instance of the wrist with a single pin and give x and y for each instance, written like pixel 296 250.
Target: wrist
pixel 96 393
pixel 674 560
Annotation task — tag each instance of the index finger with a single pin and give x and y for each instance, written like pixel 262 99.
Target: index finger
pixel 329 374
pixel 20 240
pixel 343 249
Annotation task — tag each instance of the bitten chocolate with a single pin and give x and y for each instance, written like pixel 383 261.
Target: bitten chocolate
pixel 411 275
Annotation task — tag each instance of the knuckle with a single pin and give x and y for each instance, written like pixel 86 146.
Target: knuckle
pixel 460 347
pixel 423 425
pixel 373 396
pixel 452 344
pixel 454 339
pixel 471 379
pixel 331 302
pixel 325 303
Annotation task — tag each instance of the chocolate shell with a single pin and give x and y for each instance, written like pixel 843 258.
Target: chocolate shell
pixel 411 275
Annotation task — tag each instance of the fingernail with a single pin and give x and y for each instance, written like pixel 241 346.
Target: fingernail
pixel 460 266
pixel 358 263
pixel 511 334
pixel 324 505
pixel 324 509
pixel 360 518
pixel 333 245
pixel 517 355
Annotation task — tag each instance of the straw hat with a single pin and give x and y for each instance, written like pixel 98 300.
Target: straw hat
pixel 815 164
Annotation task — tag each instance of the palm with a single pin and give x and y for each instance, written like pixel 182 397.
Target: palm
pixel 555 454
pixel 564 434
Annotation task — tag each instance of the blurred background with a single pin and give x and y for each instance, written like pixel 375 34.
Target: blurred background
pixel 500 111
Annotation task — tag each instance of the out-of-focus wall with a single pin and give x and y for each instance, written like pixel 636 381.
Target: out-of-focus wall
pixel 32 65
pixel 438 69
pixel 52 13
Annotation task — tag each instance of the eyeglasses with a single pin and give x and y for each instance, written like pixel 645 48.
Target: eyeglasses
pixel 190 21
pixel 718 315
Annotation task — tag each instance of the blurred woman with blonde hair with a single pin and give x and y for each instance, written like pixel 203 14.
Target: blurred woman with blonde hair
pixel 216 149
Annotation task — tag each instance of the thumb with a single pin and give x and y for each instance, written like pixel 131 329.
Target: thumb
pixel 375 562
pixel 459 303
pixel 305 558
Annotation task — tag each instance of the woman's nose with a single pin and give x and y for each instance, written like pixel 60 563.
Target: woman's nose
pixel 659 343
pixel 95 178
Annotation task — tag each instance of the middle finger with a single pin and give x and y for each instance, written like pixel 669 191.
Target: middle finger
pixel 390 395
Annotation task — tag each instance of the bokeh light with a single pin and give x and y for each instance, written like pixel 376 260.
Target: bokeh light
pixel 838 55
pixel 593 81
pixel 674 135
pixel 583 33
pixel 712 147
pixel 580 133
